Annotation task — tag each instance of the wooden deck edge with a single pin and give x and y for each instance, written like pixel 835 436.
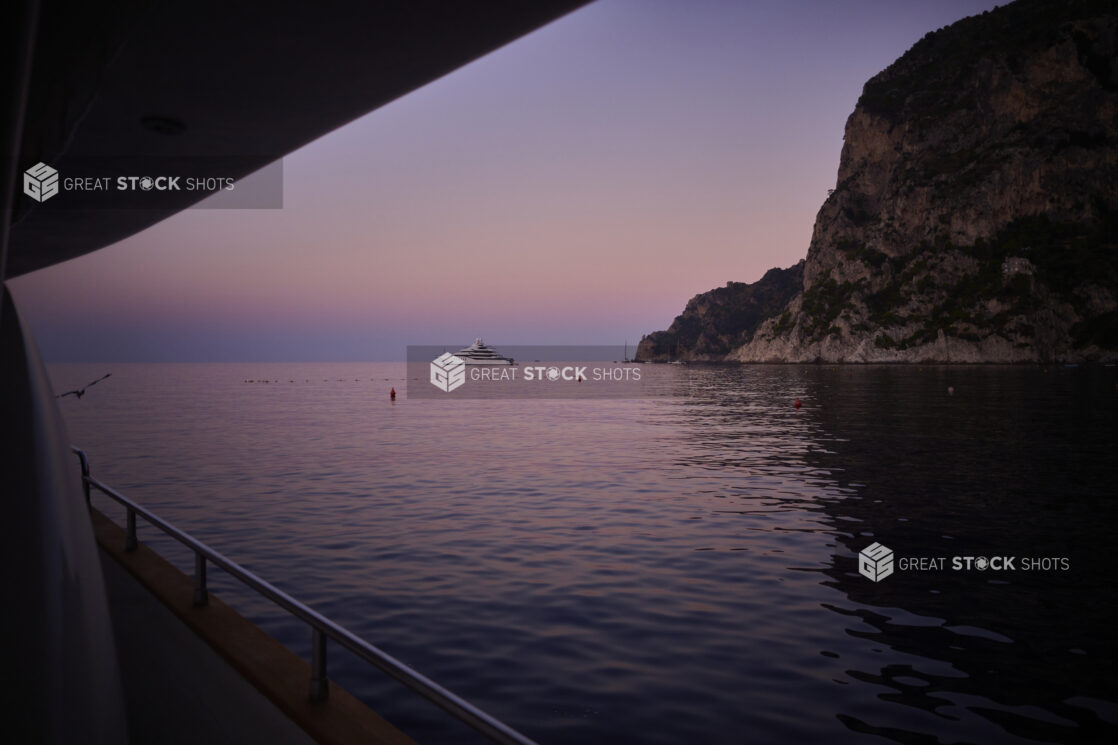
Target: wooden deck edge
pixel 277 672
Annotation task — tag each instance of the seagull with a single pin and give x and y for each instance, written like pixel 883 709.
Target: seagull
pixel 81 391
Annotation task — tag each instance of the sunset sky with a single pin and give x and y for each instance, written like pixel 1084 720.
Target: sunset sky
pixel 575 187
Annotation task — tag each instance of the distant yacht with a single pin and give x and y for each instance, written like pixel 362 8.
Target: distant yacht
pixel 480 354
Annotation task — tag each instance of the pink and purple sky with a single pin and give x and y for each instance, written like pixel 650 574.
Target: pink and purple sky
pixel 575 187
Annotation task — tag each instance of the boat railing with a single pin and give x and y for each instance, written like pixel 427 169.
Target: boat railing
pixel 322 628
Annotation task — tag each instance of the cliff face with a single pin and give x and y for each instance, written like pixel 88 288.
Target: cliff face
pixel 975 217
pixel 718 322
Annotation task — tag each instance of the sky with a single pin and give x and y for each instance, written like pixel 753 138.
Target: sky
pixel 577 186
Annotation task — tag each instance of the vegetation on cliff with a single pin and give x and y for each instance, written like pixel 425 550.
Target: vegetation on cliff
pixel 932 79
pixel 717 322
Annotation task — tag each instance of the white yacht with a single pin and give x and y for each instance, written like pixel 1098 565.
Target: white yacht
pixel 480 354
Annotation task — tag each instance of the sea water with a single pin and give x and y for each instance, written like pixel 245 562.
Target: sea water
pixel 678 568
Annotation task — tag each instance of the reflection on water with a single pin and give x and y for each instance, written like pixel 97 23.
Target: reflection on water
pixel 675 569
pixel 1018 462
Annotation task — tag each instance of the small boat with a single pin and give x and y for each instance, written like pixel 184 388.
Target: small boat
pixel 479 353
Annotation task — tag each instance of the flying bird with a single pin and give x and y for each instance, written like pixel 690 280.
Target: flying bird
pixel 81 391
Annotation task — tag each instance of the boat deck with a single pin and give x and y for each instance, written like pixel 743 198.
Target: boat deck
pixel 206 674
pixel 177 689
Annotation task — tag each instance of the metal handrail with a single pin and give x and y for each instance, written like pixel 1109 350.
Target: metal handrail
pixel 321 627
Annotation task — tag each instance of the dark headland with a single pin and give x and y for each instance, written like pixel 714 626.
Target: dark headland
pixel 974 218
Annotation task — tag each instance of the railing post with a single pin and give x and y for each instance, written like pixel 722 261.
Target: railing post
pixel 130 542
pixel 201 594
pixel 320 686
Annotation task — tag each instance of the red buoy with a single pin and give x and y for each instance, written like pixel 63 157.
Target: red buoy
pixel 392 394
pixel 799 403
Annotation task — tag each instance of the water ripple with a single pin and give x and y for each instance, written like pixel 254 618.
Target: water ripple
pixel 669 570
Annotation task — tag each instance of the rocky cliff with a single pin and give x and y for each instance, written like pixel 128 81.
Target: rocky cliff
pixel 975 215
pixel 717 323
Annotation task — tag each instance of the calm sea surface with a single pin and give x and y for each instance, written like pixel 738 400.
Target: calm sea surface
pixel 680 568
